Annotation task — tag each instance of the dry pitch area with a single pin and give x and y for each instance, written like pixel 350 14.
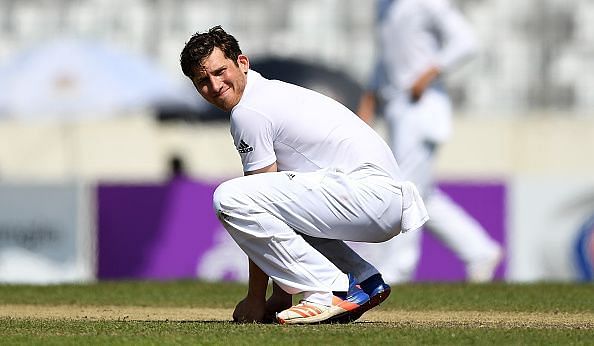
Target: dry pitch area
pixel 471 319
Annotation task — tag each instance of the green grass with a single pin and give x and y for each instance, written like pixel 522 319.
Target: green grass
pixel 137 293
pixel 545 298
pixel 226 333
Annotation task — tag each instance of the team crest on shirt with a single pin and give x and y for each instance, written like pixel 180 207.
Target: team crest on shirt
pixel 243 147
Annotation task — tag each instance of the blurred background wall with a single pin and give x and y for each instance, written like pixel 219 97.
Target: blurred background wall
pixel 534 52
pixel 524 114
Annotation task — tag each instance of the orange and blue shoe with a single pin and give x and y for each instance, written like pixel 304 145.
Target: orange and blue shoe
pixel 378 292
pixel 309 312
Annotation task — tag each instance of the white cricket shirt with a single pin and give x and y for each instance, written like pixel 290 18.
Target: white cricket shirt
pixel 418 34
pixel 302 130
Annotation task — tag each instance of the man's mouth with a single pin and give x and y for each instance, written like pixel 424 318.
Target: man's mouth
pixel 222 93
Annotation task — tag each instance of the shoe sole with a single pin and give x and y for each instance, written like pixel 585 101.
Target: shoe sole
pixel 354 315
pixel 324 317
pixel 343 308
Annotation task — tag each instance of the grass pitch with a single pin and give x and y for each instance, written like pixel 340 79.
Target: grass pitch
pixel 193 312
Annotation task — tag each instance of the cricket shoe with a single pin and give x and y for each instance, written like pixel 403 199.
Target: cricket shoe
pixel 309 312
pixel 376 296
pixel 484 270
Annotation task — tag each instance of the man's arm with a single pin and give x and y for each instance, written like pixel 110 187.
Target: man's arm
pixel 268 169
pixel 368 101
pixel 459 44
pixel 253 307
pixel 421 84
pixel 367 105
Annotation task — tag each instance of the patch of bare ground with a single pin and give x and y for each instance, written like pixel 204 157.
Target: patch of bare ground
pixel 416 319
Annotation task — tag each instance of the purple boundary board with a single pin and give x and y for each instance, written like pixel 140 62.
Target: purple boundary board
pixel 154 231
pixel 486 202
pixel 160 231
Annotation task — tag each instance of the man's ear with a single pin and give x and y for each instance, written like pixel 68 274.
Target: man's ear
pixel 243 62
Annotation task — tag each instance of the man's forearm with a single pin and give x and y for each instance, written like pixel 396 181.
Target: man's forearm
pixel 258 282
pixel 253 307
pixel 366 109
pixel 423 82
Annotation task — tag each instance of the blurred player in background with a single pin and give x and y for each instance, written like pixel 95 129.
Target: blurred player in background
pixel 312 168
pixel 419 41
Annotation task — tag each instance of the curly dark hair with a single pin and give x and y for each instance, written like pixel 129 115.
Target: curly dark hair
pixel 201 45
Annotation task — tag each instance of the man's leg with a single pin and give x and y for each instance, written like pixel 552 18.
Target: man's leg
pixel 396 258
pixel 460 232
pixel 275 248
pixel 343 257
pixel 261 211
pixel 348 261
pixel 369 278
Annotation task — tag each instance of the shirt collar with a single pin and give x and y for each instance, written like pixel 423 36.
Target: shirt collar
pixel 252 78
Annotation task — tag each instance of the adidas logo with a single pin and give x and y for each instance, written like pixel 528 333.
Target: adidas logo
pixel 244 147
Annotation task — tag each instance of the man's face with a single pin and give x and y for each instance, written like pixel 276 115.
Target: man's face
pixel 220 81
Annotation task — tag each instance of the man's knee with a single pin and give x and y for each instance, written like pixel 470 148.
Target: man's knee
pixel 229 197
pixel 222 198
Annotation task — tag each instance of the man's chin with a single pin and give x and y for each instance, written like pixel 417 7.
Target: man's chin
pixel 222 106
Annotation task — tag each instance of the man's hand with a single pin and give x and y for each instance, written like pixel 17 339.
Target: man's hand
pixel 253 307
pixel 422 83
pixel 250 310
pixel 278 301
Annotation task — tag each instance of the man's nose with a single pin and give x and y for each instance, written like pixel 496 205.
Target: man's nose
pixel 215 83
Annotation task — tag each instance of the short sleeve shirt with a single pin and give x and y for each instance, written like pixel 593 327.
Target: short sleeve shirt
pixel 302 130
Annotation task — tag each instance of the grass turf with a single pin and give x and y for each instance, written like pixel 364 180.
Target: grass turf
pixel 546 298
pixel 226 333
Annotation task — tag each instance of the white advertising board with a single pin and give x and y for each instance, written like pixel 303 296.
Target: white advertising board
pixel 46 233
pixel 546 215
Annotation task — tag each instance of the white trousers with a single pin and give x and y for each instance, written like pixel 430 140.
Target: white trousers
pixel 266 213
pixel 416 129
pixel 397 258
